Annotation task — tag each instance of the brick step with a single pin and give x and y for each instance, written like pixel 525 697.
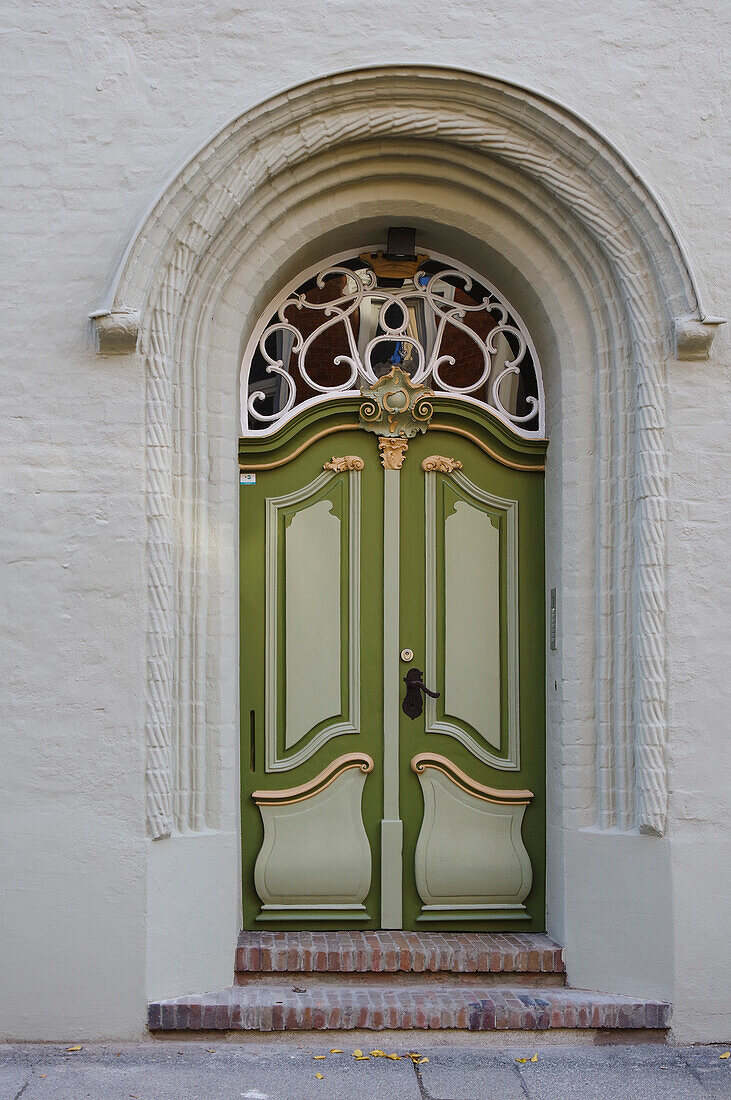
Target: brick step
pixel 391 952
pixel 286 979
pixel 265 1007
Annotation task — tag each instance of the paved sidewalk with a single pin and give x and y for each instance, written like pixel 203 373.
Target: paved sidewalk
pixel 285 1069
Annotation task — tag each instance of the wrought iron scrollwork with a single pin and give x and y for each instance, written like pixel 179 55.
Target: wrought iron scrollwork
pixel 446 328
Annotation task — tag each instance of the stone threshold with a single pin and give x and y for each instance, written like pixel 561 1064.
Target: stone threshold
pixel 264 1007
pixel 393 952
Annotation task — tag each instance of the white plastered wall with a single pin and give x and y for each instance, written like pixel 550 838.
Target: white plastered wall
pixel 102 110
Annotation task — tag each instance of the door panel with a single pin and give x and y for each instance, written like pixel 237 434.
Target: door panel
pixel 472 612
pixel 353 814
pixel 311 695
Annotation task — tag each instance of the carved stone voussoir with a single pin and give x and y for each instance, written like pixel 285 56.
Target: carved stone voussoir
pixel 440 464
pixel 116 332
pixel 393 452
pixel 344 462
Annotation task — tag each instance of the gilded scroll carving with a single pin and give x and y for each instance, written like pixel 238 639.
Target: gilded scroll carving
pixel 440 464
pixel 395 409
pixel 395 406
pixel 393 452
pixel 345 462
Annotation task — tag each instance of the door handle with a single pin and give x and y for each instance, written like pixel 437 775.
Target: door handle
pixel 413 705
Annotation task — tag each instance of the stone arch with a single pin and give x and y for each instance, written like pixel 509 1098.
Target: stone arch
pixel 229 211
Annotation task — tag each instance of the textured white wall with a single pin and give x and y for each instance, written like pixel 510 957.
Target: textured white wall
pixel 103 101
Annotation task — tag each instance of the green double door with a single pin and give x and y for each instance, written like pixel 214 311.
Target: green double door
pixel 356 814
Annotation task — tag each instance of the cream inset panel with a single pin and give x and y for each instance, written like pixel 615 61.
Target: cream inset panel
pixel 312 617
pixel 493 875
pixel 480 637
pixel 315 565
pixel 472 620
pixel 315 859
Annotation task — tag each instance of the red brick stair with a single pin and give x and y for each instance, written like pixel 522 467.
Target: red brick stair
pixel 299 981
pixel 397 952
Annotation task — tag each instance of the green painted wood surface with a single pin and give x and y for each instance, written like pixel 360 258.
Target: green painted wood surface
pixel 525 487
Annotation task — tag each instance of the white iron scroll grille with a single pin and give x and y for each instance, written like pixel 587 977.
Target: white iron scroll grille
pixel 340 326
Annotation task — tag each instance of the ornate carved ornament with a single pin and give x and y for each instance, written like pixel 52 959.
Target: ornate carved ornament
pixel 396 409
pixel 345 462
pixel 440 464
pixel 393 452
pixel 396 406
pixel 388 268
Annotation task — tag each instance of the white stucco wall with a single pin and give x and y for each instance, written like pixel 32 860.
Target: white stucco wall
pixel 102 103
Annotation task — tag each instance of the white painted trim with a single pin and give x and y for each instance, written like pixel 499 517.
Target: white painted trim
pixel 391 824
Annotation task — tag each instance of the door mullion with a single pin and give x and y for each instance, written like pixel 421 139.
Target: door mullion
pixel 391 825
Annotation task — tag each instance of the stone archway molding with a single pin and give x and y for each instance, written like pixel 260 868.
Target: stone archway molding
pixel 591 184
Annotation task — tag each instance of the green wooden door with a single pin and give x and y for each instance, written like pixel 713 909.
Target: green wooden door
pixel 355 815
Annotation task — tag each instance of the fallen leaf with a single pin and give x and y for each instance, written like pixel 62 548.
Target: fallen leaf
pixel 210 1051
pixel 296 989
pixel 336 1051
pixel 394 1057
pixel 357 1053
pixel 362 1057
pixel 320 1076
pixel 521 1059
pixel 73 1048
pixel 534 1058
pixel 726 1054
pixel 43 1075
pixel 318 1057
pixel 378 1054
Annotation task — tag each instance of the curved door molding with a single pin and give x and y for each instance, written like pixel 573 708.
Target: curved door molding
pixel 472 615
pixel 312 616
pixel 470 861
pixel 315 860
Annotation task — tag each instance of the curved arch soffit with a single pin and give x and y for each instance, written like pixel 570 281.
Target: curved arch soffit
pixel 589 181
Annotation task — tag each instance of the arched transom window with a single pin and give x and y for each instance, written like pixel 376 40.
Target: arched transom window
pixel 345 323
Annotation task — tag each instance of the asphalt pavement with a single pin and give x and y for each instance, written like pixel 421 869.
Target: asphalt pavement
pixel 287 1068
